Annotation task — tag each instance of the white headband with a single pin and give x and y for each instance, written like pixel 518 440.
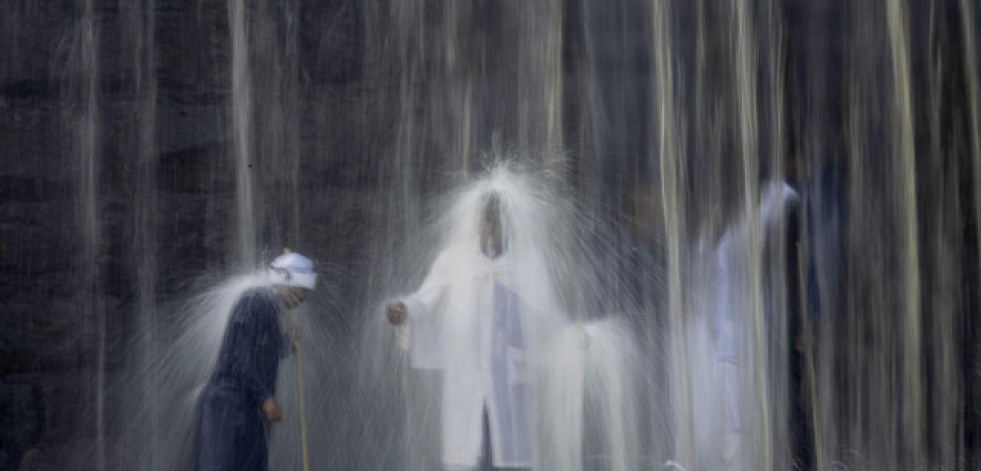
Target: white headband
pixel 293 269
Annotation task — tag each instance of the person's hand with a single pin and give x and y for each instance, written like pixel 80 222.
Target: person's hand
pixel 271 408
pixel 396 312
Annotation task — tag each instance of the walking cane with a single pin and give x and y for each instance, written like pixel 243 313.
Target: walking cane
pixel 299 387
pixel 303 413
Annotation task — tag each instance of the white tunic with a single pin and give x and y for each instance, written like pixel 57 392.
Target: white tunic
pixel 728 267
pixel 468 320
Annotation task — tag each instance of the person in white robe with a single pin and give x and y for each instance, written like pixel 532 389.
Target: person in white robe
pixel 473 317
pixel 724 285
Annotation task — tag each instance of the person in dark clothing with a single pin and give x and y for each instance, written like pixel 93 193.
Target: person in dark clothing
pixel 239 401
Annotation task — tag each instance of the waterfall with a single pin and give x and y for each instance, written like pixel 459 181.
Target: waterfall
pixel 90 214
pixel 241 110
pixel 157 153
pixel 146 223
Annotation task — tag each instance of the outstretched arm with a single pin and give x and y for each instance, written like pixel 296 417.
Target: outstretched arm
pixel 420 304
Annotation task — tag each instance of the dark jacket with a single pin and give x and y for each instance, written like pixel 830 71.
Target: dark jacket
pixel 231 428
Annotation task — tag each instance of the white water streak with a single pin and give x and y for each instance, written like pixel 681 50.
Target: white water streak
pixel 746 83
pixel 912 415
pixel 974 95
pixel 242 127
pixel 89 131
pixel 672 197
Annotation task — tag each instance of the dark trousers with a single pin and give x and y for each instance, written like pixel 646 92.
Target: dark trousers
pixel 228 437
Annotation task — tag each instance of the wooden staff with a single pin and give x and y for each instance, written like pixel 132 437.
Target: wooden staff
pixel 299 387
pixel 303 413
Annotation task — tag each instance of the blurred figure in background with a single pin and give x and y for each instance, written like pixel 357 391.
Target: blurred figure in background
pixel 723 288
pixel 239 403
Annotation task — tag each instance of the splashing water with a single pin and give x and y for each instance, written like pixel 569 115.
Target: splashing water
pixel 147 143
pixel 566 366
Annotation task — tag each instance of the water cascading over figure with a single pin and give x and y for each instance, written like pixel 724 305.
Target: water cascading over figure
pixel 487 315
pixel 723 360
pixel 238 404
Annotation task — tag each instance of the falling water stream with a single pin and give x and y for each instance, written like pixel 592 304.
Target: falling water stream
pixel 634 137
pixel 241 103
pixel 88 145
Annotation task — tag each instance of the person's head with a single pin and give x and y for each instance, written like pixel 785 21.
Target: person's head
pixel 293 277
pixel 491 232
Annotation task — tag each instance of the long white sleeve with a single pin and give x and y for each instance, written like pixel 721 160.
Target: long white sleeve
pixel 423 331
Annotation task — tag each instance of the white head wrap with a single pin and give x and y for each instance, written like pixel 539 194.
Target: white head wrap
pixel 293 269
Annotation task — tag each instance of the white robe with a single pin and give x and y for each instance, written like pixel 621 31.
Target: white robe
pixel 733 309
pixel 723 284
pixel 469 319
